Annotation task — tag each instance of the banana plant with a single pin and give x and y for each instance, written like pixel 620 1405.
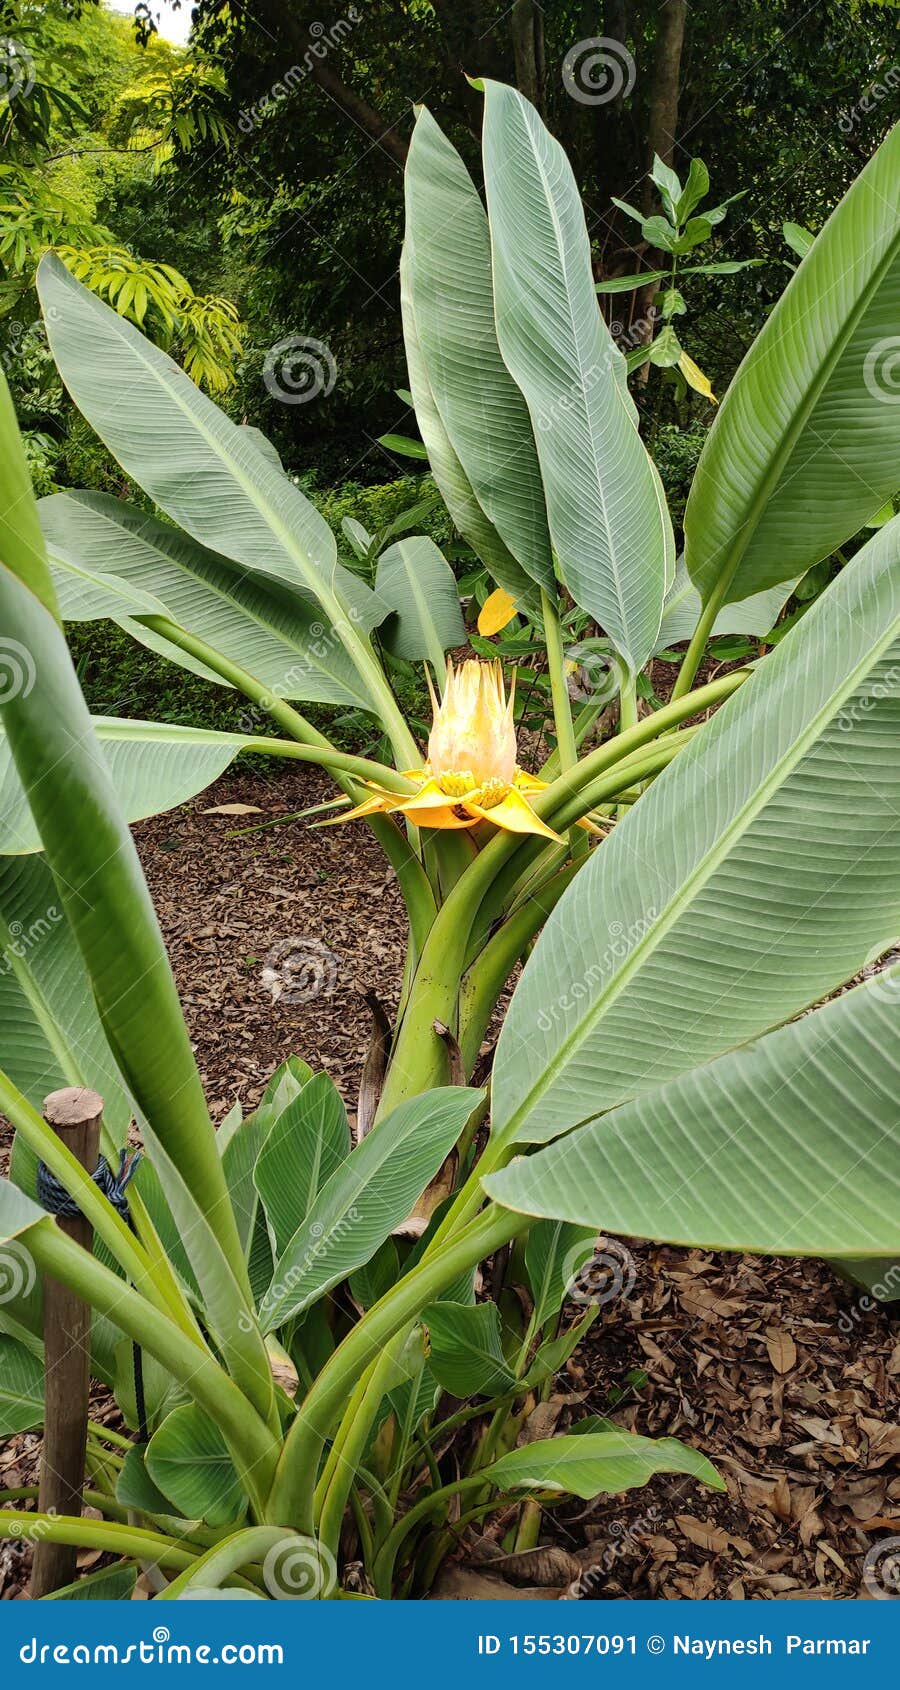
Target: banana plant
pixel 681 1058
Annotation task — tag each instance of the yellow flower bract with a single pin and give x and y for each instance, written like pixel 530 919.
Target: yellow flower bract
pixel 471 774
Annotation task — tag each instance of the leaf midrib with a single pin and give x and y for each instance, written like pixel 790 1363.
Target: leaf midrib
pixel 696 882
pixel 268 628
pixel 768 484
pixel 565 271
pixel 323 593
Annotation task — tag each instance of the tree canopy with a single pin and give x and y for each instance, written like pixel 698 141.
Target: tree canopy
pixel 246 191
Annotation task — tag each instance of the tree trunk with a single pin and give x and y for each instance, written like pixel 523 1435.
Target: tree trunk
pixel 359 110
pixel 661 129
pixel 527 30
pixel 294 35
pixel 663 114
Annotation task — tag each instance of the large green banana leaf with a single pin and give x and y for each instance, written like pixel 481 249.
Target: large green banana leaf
pixel 608 520
pixel 593 1464
pixel 93 859
pixel 455 486
pixel 50 1032
pixel 682 608
pixel 415 580
pixel 789 1146
pixel 109 559
pixel 448 250
pixel 153 766
pixel 757 875
pixel 203 470
pixel 188 1460
pixel 367 1195
pixel 806 444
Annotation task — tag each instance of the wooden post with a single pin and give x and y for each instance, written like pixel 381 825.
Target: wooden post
pixel 74 1114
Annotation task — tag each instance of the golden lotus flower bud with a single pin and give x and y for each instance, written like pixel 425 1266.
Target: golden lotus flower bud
pixel 473 732
pixel 471 775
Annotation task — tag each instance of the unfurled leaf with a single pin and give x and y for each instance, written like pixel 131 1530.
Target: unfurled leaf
pixel 50 1033
pixel 416 582
pixel 805 445
pixel 448 262
pixel 665 350
pixel 21 1383
pixel 753 616
pixel 696 231
pixel 600 1463
pixel 370 1193
pixel 606 510
pixel 798 239
pixel 609 1005
pixel 188 1461
pixel 696 188
pixel 552 1356
pixel 403 445
pixel 109 559
pixel 554 1251
pixel 466 1354
pixel 658 232
pixel 306 1145
pixel 627 284
pixel 153 766
pixel 738 1146
pixel 671 304
pixel 669 185
pixel 135 1488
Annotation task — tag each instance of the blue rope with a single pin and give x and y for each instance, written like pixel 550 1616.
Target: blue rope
pixel 54 1197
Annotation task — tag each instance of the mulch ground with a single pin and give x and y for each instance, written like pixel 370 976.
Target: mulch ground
pixel 776 1370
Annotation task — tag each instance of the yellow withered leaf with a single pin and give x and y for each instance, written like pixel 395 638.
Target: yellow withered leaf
pixel 496 612
pixel 695 378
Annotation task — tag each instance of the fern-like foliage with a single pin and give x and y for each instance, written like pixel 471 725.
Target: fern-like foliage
pixel 172 108
pixel 203 329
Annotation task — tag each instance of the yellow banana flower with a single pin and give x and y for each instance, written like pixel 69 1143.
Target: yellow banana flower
pixel 471 774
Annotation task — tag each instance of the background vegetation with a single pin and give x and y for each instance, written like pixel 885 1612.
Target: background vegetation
pixel 247 190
